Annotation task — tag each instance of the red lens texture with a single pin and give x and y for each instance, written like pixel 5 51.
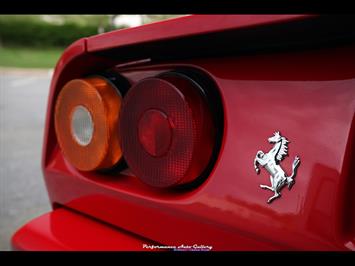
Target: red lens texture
pixel 167 131
pixel 155 132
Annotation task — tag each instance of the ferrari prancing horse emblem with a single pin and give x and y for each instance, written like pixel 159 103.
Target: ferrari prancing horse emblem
pixel 271 162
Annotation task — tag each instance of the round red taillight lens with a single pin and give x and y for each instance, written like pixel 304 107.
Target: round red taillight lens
pixel 167 130
pixel 86 120
pixel 155 132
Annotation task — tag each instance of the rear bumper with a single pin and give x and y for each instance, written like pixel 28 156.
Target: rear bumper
pixel 65 230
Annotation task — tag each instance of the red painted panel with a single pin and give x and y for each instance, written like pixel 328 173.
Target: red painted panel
pixel 310 102
pixel 308 96
pixel 63 230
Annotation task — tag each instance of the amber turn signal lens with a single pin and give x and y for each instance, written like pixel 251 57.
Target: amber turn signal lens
pixel 86 120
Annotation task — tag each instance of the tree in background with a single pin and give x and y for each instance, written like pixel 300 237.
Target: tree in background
pixel 62 30
pixel 37 41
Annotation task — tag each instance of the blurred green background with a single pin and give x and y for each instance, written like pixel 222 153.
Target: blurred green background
pixel 37 41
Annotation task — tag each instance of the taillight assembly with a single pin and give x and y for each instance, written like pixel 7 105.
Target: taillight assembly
pixel 164 127
pixel 167 132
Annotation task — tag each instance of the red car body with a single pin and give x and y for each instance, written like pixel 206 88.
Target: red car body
pixel 293 73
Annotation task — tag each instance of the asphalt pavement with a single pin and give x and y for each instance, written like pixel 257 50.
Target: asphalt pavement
pixel 23 100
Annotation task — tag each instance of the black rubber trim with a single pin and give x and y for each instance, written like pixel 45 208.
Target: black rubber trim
pixel 309 33
pixel 120 83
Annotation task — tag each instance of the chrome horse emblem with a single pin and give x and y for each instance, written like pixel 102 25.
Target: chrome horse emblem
pixel 271 162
